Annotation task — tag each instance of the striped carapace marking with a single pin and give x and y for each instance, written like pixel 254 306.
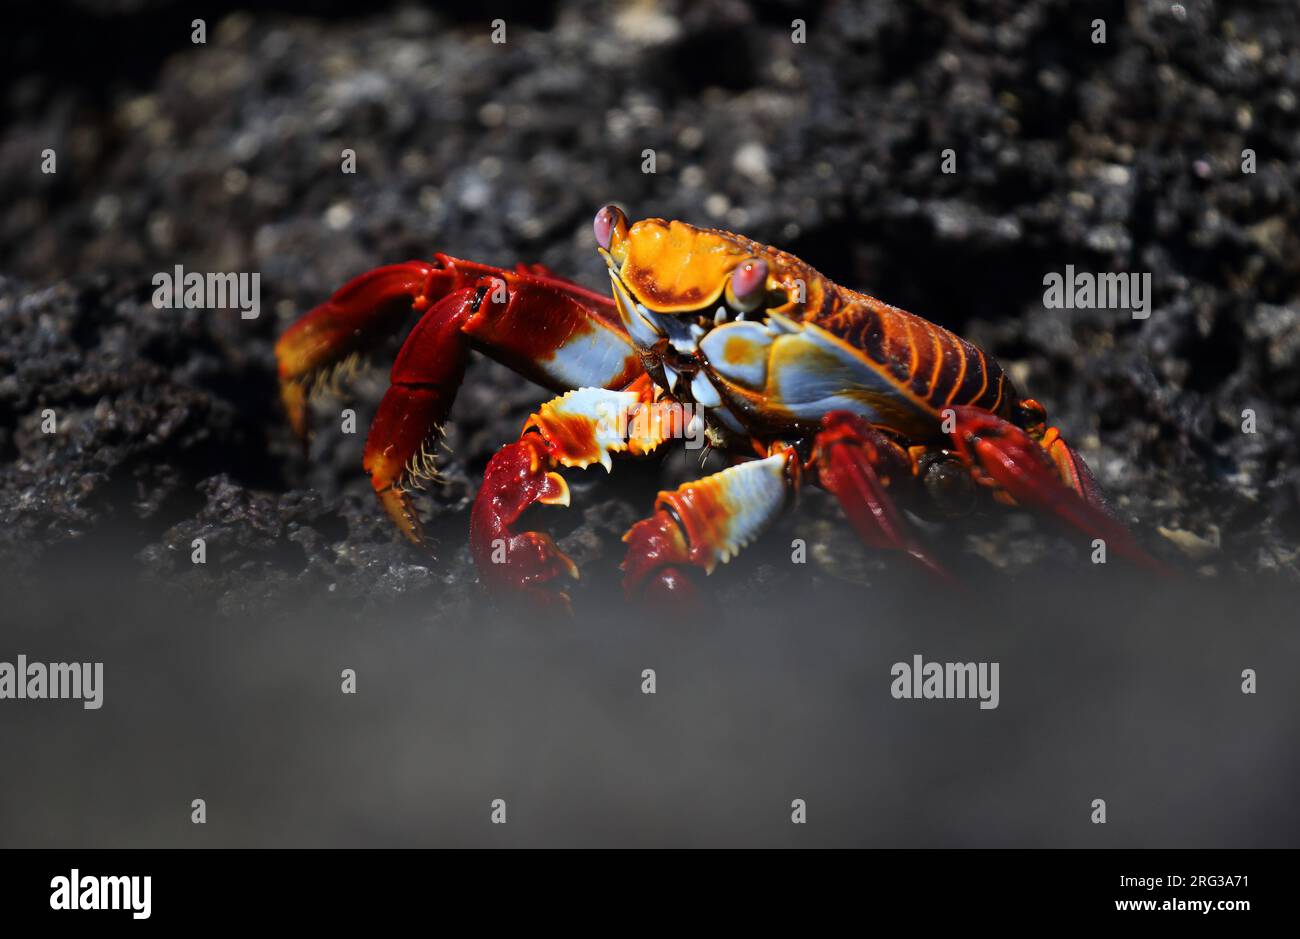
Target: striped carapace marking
pixel 675 267
pixel 935 365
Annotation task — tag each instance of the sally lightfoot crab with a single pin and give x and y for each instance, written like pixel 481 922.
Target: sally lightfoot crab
pixel 797 379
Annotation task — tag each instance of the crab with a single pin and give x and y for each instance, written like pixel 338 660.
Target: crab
pixel 798 380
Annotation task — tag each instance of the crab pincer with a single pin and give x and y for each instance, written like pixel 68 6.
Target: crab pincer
pixel 517 477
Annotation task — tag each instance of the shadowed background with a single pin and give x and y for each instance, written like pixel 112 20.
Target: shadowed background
pixel 223 678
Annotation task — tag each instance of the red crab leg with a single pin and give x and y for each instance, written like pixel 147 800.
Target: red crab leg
pixel 702 523
pixel 1054 480
pixel 360 313
pixel 518 476
pixel 857 464
pixel 578 429
pixel 551 331
pixel 426 375
pixel 560 313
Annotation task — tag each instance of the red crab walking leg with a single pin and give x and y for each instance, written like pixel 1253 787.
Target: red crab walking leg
pixel 858 464
pixel 361 312
pixel 556 332
pixel 545 329
pixel 426 375
pixel 577 429
pixel 1055 479
pixel 550 330
pixel 703 523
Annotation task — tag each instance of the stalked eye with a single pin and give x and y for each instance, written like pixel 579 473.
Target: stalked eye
pixel 609 221
pixel 748 285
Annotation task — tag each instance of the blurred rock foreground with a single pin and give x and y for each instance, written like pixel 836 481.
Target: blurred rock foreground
pixel 1123 156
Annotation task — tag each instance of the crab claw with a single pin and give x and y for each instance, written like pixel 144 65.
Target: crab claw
pixel 518 476
pixel 702 524
pixel 658 562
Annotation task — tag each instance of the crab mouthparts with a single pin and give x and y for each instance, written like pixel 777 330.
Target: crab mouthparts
pixel 682 330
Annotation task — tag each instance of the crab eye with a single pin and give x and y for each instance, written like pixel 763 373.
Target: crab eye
pixel 609 221
pixel 748 285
